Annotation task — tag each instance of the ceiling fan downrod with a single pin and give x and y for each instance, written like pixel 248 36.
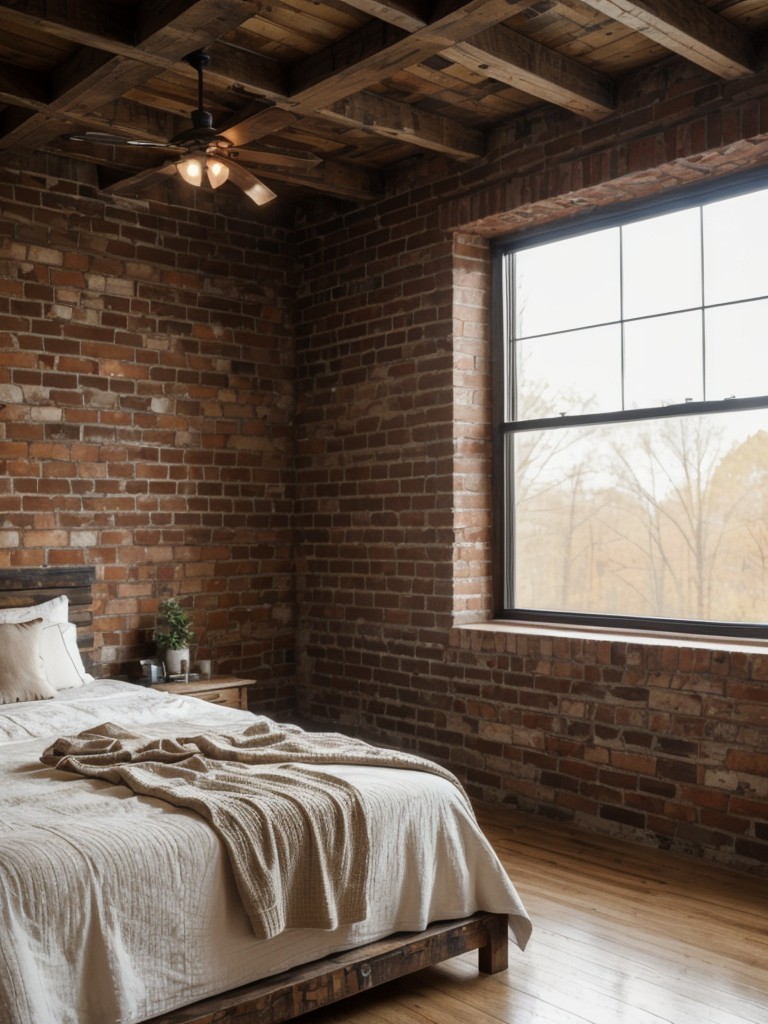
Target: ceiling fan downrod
pixel 199 59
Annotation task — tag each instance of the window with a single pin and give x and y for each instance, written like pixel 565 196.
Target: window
pixel 632 415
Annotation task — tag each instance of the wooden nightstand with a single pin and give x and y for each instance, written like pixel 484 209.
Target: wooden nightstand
pixel 229 690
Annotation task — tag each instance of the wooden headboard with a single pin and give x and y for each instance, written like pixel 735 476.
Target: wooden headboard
pixel 20 588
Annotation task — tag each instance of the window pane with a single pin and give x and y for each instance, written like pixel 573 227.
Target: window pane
pixel 660 519
pixel 569 374
pixel 663 361
pixel 735 255
pixel 664 519
pixel 737 350
pixel 661 264
pixel 568 284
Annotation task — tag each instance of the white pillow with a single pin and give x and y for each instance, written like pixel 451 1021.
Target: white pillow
pixel 21 667
pixel 55 610
pixel 62 663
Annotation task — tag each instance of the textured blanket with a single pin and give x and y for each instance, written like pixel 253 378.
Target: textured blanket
pixel 296 836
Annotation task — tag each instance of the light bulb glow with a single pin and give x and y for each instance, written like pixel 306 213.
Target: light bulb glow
pixel 191 170
pixel 217 172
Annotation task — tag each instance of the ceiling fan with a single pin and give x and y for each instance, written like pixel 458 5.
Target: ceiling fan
pixel 203 152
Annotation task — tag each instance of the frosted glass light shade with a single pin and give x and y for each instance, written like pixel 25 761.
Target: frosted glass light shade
pixel 191 170
pixel 217 172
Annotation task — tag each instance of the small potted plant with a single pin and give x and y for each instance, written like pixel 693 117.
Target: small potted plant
pixel 173 635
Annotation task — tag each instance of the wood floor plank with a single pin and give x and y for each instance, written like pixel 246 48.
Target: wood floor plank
pixel 733 998
pixel 623 934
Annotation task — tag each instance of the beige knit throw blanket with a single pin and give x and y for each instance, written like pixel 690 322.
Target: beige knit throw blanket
pixel 296 837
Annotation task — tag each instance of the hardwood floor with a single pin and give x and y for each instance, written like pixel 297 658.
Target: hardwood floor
pixel 622 935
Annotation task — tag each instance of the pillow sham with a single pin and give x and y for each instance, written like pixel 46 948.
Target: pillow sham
pixel 21 667
pixel 55 610
pixel 62 663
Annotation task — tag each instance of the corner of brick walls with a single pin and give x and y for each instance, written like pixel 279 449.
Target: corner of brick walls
pixel 146 402
pixel 393 497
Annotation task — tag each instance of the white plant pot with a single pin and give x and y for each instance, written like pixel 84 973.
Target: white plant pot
pixel 173 660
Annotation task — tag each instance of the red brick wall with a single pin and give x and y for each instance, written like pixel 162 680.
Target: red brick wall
pixel 394 498
pixel 146 400
pixel 664 743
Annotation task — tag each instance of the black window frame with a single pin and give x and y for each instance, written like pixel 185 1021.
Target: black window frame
pixel 579 224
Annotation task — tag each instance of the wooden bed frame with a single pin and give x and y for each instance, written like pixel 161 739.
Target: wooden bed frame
pixel 310 986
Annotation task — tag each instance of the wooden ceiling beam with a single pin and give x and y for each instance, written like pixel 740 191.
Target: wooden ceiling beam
pixel 407 124
pixel 246 73
pixel 79 84
pixel 105 26
pixel 177 27
pixel 508 57
pixel 331 178
pixel 348 65
pixel 410 15
pixel 21 131
pixel 376 51
pixel 687 28
pixel 21 87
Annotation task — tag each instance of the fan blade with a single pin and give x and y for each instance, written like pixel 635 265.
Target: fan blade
pixel 105 139
pixel 255 190
pixel 142 180
pixel 270 156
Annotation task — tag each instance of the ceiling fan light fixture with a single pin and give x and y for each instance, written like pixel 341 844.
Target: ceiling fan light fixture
pixel 206 152
pixel 216 171
pixel 191 170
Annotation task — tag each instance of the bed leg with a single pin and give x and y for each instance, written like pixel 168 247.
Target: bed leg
pixel 493 956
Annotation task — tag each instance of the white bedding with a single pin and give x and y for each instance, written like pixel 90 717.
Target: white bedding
pixel 115 908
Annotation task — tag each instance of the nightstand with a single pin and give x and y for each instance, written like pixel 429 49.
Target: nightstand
pixel 229 690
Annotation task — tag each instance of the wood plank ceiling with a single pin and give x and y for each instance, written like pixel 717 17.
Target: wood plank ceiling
pixel 323 96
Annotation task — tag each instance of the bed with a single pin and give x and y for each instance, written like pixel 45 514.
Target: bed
pixel 117 908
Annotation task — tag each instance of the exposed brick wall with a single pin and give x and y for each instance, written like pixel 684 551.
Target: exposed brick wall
pixel 394 497
pixel 146 400
pixel 472 391
pixel 662 742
